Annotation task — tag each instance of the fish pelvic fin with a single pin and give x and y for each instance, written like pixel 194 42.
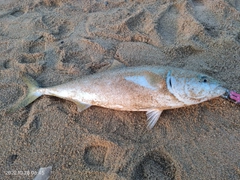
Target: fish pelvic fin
pixel 31 96
pixel 81 106
pixel 152 117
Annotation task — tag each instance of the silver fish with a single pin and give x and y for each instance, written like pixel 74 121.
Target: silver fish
pixel 147 88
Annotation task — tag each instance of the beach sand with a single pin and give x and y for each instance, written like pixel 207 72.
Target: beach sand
pixel 55 41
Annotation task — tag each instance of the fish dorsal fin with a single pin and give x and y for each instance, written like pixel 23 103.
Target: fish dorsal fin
pixel 152 117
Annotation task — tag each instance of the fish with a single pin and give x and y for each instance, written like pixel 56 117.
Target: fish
pixel 152 89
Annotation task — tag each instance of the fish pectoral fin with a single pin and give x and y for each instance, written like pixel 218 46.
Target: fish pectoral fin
pixel 141 80
pixel 82 106
pixel 152 117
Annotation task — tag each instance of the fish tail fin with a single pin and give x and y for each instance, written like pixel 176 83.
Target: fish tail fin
pixel 31 96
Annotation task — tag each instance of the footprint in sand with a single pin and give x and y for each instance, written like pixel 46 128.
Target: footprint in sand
pixel 30 63
pixel 155 165
pixel 37 45
pixel 34 125
pixel 30 58
pixel 206 18
pixel 9 90
pixel 122 24
pixel 74 53
pixel 57 26
pixel 167 25
pixel 235 4
pixel 17 13
pixel 33 57
pixel 238 37
pixel 6 64
pixel 10 159
pixel 95 156
pixel 49 3
pixel 4 46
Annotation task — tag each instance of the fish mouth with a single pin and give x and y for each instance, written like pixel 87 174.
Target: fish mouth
pixel 222 92
pixel 226 94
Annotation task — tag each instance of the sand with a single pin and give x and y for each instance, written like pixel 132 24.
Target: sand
pixel 55 41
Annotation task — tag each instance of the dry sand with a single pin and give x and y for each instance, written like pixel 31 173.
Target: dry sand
pixel 55 41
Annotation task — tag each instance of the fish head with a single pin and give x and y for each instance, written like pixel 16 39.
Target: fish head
pixel 191 87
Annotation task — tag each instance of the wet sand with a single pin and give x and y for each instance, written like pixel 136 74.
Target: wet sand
pixel 56 41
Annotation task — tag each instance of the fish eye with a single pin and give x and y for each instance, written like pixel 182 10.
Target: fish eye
pixel 204 79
